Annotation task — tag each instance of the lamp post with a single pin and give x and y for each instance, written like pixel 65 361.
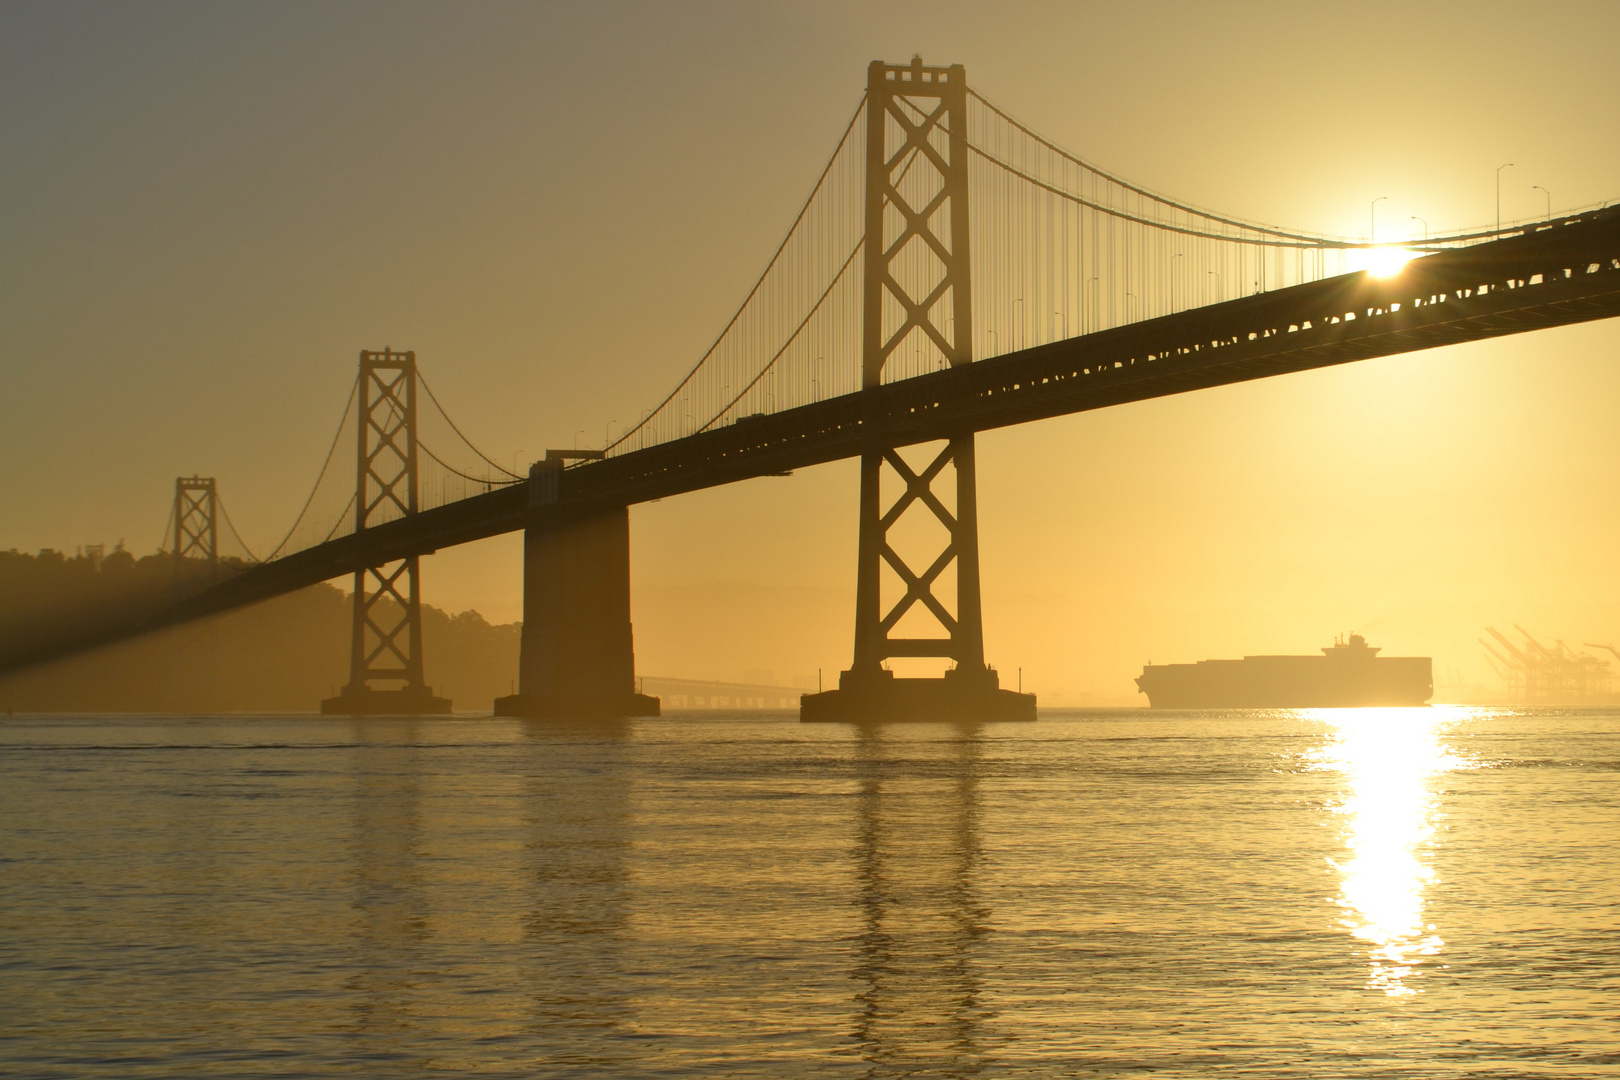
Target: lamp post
pixel 1173 258
pixel 1372 219
pixel 1544 191
pixel 1425 229
pixel 1499 169
pixel 1220 288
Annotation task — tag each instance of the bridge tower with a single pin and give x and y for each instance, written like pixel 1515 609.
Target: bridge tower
pixel 386 641
pixel 917 300
pixel 196 534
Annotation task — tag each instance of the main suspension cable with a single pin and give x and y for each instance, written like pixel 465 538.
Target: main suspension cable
pixel 1136 189
pixel 220 502
pixel 814 191
pixel 512 477
pixel 1123 215
pixel 1308 240
pixel 354 392
pixel 487 459
pixel 342 514
pixel 168 527
pixel 791 338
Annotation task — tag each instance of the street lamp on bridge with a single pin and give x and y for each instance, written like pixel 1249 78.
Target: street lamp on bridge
pixel 1499 169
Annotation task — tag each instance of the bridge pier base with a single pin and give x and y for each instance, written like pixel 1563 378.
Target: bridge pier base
pixel 577 658
pixel 962 695
pixel 969 691
pixel 922 302
pixel 365 701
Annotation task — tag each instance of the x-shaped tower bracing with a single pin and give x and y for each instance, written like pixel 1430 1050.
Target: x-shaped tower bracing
pixel 386 643
pixel 196 533
pixel 917 295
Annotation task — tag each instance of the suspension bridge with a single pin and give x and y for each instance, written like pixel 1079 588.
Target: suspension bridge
pixel 951 272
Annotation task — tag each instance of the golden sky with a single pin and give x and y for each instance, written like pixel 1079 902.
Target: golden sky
pixel 209 209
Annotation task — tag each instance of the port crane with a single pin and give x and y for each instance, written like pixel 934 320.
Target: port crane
pixel 1537 673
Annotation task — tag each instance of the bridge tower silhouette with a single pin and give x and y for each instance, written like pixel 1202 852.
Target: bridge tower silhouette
pixel 917 297
pixel 196 534
pixel 386 639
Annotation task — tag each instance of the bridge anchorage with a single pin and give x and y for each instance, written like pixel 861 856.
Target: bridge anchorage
pixel 916 298
pixel 386 643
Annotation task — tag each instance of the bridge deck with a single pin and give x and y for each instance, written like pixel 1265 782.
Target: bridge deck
pixel 1563 273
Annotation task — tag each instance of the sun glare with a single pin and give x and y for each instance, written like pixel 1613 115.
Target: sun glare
pixel 1380 262
pixel 1387 757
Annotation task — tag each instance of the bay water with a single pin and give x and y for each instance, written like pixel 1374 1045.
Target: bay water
pixel 1365 892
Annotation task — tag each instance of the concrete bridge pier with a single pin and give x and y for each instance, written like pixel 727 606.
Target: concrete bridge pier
pixel 577 657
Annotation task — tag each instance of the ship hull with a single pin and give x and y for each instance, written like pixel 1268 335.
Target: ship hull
pixel 1290 682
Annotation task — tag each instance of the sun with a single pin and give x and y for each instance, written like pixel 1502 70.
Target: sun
pixel 1381 262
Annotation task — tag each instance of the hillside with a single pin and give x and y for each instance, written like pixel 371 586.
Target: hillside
pixel 283 655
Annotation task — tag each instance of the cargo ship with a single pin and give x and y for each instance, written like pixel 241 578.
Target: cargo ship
pixel 1350 674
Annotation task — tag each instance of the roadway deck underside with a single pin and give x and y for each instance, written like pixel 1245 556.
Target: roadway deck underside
pixel 1558 275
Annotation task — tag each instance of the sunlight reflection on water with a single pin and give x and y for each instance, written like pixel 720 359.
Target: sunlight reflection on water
pixel 1389 811
pixel 1104 893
